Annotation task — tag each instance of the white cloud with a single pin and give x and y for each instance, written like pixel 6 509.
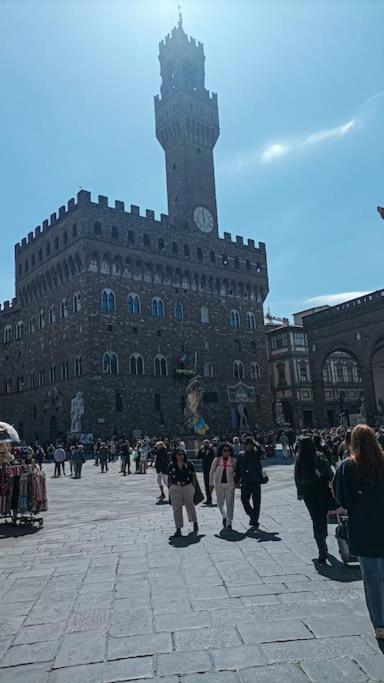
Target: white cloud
pixel 330 133
pixel 273 152
pixel 334 299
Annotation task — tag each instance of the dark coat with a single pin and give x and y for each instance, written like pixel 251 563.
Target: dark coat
pixel 365 504
pixel 249 469
pixel 320 479
pixel 207 456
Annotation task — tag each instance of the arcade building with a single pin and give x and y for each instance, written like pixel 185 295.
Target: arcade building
pixel 153 324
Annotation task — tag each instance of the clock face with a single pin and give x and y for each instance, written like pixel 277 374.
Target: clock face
pixel 203 219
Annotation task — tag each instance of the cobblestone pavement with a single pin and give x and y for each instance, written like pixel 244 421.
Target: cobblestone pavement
pixel 99 594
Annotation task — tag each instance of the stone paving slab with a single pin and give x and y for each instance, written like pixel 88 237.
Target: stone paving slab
pixel 101 596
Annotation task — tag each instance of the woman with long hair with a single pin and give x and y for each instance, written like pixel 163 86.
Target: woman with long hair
pixel 313 475
pixel 181 478
pixel 222 479
pixel 359 488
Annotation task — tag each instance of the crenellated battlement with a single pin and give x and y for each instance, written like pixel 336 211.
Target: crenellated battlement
pixel 8 306
pixel 179 35
pixel 230 246
pixel 84 199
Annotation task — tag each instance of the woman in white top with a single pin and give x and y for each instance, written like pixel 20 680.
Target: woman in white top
pixel 222 479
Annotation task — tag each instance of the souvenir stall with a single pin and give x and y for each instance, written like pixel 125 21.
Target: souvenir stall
pixel 23 491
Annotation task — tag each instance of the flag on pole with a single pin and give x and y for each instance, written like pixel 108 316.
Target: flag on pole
pixel 381 211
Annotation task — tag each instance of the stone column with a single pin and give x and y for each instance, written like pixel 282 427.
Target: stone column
pixel 369 394
pixel 319 405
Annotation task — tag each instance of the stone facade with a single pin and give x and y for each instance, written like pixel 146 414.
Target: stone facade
pixel 355 327
pixel 291 380
pixel 127 308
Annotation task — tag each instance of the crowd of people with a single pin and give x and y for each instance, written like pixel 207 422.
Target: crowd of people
pixel 335 470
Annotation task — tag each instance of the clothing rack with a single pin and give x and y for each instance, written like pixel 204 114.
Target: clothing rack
pixel 23 494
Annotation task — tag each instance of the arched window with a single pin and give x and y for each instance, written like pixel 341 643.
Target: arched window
pixel 114 232
pixel 303 371
pixel 108 300
pixel 7 334
pixel 64 311
pixel 204 314
pixel 78 366
pixel 32 325
pixel 134 304
pixel 339 372
pixel 327 375
pixel 74 230
pixel 175 247
pixel 65 237
pixel 42 319
pixel 161 244
pixel 52 374
pixel 238 369
pixel 48 249
pixel 20 330
pixel 77 302
pixel 40 255
pixel 160 366
pixel 247 264
pixel 136 364
pixel 65 370
pixel 199 254
pixel 110 363
pixel 234 319
pixel 97 228
pixel 131 237
pixel 147 241
pixel 208 369
pixel 212 257
pixel 178 312
pixel 41 377
pixel 52 315
pixel 253 346
pixel 186 250
pixel 251 321
pixel 237 263
pixel 255 371
pixel 26 266
pixel 157 307
pixel 94 264
pixel 349 369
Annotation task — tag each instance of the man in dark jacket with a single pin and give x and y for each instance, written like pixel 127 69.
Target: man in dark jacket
pixel 250 476
pixel 207 454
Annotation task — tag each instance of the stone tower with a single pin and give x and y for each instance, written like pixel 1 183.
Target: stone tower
pixel 187 127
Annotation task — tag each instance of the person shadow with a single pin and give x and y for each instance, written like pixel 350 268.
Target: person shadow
pixel 263 536
pixel 185 541
pixel 230 535
pixel 338 571
pixel 260 536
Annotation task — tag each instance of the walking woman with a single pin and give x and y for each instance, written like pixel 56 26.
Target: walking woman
pixel 181 477
pixel 222 479
pixel 313 475
pixel 359 488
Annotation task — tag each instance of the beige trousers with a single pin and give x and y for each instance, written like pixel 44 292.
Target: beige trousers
pixel 182 495
pixel 225 494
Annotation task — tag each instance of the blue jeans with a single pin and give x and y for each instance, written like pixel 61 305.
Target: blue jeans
pixel 372 571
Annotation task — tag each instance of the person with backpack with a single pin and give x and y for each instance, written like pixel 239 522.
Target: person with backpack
pixel 313 476
pixel 359 488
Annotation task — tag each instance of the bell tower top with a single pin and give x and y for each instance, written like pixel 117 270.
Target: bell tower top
pixel 187 127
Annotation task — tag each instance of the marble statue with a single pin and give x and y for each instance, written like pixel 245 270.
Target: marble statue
pixel 77 411
pixel 243 423
pixel 279 414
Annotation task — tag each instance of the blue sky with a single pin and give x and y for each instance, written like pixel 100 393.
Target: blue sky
pixel 299 163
